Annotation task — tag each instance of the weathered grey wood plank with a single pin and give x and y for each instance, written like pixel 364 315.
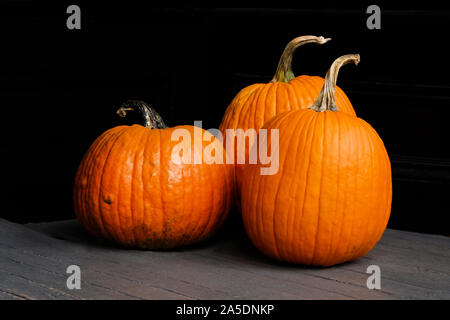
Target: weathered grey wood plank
pixel 241 277
pixel 34 258
pixel 6 295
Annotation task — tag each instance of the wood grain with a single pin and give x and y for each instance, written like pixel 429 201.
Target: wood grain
pixel 34 258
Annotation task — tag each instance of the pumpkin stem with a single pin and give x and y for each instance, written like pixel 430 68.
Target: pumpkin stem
pixel 152 119
pixel 326 99
pixel 284 70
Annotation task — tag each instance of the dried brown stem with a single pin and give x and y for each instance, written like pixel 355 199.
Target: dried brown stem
pixel 152 119
pixel 284 70
pixel 326 99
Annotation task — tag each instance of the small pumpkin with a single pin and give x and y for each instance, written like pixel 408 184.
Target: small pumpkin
pixel 331 198
pixel 258 103
pixel 128 190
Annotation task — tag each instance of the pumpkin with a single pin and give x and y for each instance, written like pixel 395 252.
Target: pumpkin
pixel 258 103
pixel 129 190
pixel 330 200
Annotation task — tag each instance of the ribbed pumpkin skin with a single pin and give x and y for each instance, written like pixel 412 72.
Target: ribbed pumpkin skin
pixel 128 191
pixel 330 200
pixel 256 104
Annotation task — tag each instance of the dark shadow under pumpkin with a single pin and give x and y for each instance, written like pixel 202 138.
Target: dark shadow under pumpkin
pixel 230 242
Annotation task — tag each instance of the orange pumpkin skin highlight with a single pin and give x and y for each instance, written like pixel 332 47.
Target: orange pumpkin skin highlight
pixel 258 103
pixel 128 190
pixel 330 200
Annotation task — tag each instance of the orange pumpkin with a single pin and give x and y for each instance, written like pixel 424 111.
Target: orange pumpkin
pixel 260 102
pixel 128 189
pixel 330 200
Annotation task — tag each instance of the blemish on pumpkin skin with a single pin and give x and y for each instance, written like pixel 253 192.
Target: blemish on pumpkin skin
pixel 108 199
pixel 160 240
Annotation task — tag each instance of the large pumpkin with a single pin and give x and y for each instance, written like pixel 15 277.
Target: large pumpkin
pixel 260 102
pixel 330 200
pixel 128 189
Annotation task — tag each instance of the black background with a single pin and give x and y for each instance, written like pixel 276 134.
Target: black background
pixel 60 88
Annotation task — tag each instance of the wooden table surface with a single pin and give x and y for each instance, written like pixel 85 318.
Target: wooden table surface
pixel 34 259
